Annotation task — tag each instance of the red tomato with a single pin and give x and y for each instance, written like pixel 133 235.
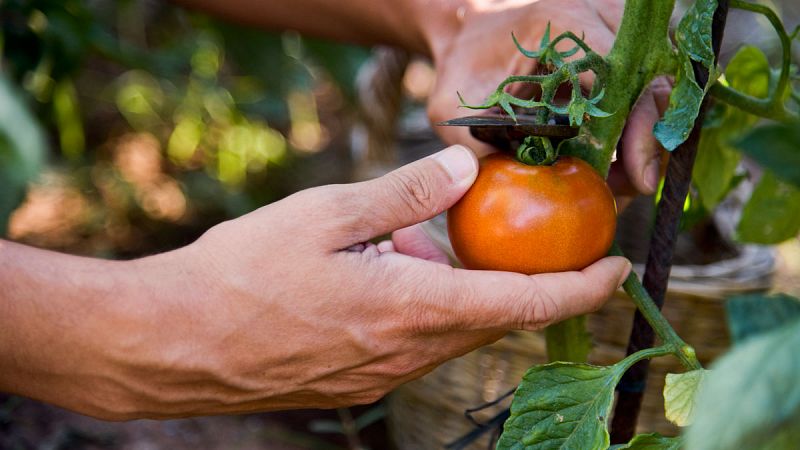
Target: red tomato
pixel 533 219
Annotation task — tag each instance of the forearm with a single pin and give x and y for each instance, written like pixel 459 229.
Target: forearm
pixel 410 24
pixel 67 324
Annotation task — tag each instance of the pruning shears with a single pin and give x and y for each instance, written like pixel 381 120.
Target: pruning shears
pixel 504 132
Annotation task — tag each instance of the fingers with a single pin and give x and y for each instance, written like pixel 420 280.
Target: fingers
pixel 641 149
pixel 480 300
pixel 413 241
pixel 410 194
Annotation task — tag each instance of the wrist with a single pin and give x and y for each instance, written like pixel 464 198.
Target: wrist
pixel 154 337
pixel 61 317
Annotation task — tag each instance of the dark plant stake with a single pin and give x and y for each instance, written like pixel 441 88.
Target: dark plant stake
pixel 659 259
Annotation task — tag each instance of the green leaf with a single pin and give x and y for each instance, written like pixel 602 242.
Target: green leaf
pixel 751 398
pixel 749 72
pixel 717 160
pixel 751 315
pixel 715 166
pixel 684 105
pixel 565 405
pixel 22 148
pixel 775 147
pixel 561 405
pixel 679 395
pixel 693 35
pixel 693 39
pixel 772 214
pixel 652 441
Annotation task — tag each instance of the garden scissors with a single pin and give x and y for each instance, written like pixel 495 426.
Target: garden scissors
pixel 502 131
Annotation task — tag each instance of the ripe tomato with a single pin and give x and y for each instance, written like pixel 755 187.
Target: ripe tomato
pixel 533 219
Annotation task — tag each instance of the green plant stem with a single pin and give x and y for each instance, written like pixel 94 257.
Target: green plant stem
pixel 647 353
pixel 762 107
pixel 771 107
pixel 633 287
pixel 641 43
pixel 568 340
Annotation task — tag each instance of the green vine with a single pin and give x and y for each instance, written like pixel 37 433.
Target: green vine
pixel 672 342
pixel 773 106
pixel 641 52
pixel 579 108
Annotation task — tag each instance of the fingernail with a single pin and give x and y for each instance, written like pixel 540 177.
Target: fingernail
pixel 459 163
pixel 625 274
pixel 651 175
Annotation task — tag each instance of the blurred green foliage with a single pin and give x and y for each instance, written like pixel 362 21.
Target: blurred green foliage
pixel 222 102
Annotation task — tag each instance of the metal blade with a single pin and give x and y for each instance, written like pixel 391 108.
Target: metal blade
pixel 502 131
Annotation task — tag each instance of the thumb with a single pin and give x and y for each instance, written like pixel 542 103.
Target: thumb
pixel 502 300
pixel 415 192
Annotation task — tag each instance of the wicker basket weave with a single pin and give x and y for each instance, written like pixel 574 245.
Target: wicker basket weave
pixel 429 413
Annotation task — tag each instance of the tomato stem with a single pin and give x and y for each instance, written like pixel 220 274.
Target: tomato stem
pixel 537 151
pixel 568 340
pixel 633 287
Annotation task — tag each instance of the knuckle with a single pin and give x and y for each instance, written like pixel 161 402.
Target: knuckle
pixel 539 309
pixel 414 191
pixel 434 308
pixel 334 209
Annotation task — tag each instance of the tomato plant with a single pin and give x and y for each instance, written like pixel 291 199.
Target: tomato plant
pixel 533 218
pixel 749 399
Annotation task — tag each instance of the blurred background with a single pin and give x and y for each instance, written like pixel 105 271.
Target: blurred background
pixel 130 127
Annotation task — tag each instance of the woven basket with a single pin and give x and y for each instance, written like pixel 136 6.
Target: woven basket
pixel 429 413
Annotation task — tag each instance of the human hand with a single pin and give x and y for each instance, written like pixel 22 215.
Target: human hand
pixel 287 307
pixel 473 52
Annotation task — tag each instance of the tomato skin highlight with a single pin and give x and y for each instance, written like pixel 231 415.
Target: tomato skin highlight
pixel 533 219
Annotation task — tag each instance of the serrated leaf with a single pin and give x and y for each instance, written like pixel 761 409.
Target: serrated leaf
pixel 754 314
pixel 693 39
pixel 772 215
pixel 546 414
pixel 564 405
pixel 717 159
pixel 775 147
pixel 652 441
pixel 751 398
pixel 680 391
pixel 684 105
pixel 693 34
pixel 22 148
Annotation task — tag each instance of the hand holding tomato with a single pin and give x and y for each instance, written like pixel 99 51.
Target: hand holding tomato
pixel 286 307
